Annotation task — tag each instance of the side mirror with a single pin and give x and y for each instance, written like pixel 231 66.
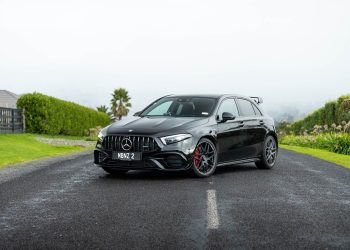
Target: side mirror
pixel 226 116
pixel 137 113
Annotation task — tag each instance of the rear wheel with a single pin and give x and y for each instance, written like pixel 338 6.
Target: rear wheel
pixel 205 158
pixel 114 171
pixel 269 154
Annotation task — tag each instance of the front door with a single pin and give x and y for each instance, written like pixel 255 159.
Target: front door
pixel 231 136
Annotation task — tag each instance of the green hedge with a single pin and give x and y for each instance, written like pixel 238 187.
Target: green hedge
pixel 49 115
pixel 334 142
pixel 333 112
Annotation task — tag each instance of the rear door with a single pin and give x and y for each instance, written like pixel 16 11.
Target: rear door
pixel 253 127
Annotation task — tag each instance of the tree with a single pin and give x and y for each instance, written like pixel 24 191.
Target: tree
pixel 102 109
pixel 120 103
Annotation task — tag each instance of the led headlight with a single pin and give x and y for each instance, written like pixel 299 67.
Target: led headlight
pixel 175 138
pixel 101 135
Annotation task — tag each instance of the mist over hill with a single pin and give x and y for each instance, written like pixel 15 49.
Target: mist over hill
pixel 284 113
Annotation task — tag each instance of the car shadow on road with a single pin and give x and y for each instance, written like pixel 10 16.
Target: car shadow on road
pixel 148 175
pixel 162 175
pixel 235 169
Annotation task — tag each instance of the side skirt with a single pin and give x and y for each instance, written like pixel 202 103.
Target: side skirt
pixel 238 162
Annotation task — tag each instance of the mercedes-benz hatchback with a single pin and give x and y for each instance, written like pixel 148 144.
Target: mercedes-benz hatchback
pixel 191 132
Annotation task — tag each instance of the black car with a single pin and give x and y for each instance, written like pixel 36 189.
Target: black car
pixel 194 132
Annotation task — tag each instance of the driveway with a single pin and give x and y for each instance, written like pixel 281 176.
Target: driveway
pixel 302 203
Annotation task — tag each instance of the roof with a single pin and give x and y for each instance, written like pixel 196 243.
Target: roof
pixel 208 95
pixel 195 95
pixel 8 99
pixel 257 100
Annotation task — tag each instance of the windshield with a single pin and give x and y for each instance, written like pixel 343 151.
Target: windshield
pixel 181 107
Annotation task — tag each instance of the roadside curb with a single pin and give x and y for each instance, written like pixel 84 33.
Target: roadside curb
pixel 13 171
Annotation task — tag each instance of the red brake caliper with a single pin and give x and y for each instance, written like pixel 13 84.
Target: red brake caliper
pixel 196 158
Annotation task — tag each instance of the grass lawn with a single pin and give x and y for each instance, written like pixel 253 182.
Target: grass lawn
pixel 343 160
pixel 16 148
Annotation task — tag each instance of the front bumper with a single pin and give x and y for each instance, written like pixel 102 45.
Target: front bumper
pixel 155 155
pixel 167 161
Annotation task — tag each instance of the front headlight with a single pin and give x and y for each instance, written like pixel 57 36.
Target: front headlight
pixel 175 138
pixel 101 135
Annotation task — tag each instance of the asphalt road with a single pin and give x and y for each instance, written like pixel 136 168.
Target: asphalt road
pixel 302 203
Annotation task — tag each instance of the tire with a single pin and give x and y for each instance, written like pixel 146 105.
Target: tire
pixel 269 154
pixel 204 159
pixel 114 171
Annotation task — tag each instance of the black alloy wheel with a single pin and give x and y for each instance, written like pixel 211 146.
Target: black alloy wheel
pixel 205 158
pixel 269 154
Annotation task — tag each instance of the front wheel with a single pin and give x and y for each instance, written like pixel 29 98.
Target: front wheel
pixel 205 158
pixel 114 171
pixel 269 154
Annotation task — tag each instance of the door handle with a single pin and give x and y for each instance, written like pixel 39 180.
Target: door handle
pixel 261 122
pixel 241 124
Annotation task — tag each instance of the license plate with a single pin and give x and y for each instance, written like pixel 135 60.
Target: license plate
pixel 126 156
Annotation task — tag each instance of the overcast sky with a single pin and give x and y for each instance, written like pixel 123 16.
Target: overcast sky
pixel 293 53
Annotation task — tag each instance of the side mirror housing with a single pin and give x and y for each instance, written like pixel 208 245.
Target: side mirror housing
pixel 226 116
pixel 137 113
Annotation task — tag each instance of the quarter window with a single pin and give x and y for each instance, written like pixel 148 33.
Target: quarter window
pixel 228 105
pixel 245 107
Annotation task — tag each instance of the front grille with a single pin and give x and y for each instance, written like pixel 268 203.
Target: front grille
pixel 139 143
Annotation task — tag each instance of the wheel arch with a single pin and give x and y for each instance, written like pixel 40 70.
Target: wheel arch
pixel 209 137
pixel 274 135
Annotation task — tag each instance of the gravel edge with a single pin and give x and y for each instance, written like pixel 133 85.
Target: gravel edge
pixel 13 171
pixel 65 142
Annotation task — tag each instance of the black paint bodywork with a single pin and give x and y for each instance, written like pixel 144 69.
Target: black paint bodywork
pixel 237 141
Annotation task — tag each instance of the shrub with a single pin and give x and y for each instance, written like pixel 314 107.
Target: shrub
pixel 49 115
pixel 332 113
pixel 334 142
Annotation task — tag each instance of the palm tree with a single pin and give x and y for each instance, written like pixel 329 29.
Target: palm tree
pixel 102 109
pixel 120 103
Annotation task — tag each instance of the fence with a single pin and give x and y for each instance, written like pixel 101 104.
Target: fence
pixel 11 121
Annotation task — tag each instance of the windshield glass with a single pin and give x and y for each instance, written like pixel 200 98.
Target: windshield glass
pixel 181 107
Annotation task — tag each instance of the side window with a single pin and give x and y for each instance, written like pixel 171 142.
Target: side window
pixel 228 105
pixel 257 111
pixel 245 107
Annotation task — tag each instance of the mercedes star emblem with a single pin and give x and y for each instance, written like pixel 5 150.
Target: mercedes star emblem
pixel 126 144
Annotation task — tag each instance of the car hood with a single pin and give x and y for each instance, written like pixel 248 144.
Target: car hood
pixel 155 125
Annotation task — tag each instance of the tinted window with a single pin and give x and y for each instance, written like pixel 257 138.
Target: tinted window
pixel 257 111
pixel 181 107
pixel 245 107
pixel 228 105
